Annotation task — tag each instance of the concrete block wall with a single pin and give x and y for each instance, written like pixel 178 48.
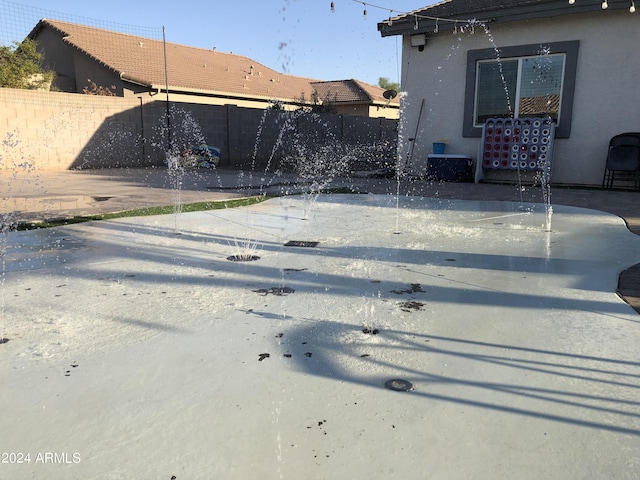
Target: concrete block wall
pixel 60 131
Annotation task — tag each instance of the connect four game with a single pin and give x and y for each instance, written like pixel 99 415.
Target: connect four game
pixel 518 143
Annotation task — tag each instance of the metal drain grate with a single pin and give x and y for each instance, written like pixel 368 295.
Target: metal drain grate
pixel 243 258
pixel 398 385
pixel 301 243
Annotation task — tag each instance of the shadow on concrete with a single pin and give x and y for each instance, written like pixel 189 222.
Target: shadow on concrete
pixel 594 392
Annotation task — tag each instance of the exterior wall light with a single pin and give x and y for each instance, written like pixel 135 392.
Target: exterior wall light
pixel 418 40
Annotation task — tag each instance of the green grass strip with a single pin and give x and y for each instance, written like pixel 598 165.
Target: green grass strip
pixel 146 211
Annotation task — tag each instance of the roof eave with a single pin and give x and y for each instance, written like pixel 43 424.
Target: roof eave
pixel 135 81
pixel 405 25
pixel 220 93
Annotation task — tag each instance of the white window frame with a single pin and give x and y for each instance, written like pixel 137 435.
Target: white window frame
pixel 569 48
pixel 515 102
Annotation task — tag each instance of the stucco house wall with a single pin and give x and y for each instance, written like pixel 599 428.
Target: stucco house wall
pixel 353 109
pixel 73 69
pixel 606 100
pixel 371 111
pixel 60 59
pixel 87 70
pixel 383 112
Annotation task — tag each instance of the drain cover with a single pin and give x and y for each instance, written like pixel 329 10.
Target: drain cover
pixel 301 243
pixel 398 385
pixel 243 258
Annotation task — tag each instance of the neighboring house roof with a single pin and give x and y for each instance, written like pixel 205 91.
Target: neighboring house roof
pixel 140 60
pixel 350 91
pixel 539 105
pixel 450 14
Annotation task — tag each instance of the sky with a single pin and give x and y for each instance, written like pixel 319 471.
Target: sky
pixel 297 37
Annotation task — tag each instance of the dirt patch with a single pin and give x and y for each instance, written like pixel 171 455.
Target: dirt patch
pixel 413 288
pixel 277 291
pixel 410 306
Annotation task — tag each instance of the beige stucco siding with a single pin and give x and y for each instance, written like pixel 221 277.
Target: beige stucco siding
pixel 58 57
pixel 606 100
pixel 89 73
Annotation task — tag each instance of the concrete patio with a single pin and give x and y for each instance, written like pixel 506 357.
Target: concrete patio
pixel 54 195
pixel 137 349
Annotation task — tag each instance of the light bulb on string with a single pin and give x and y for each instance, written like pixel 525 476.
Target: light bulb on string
pixel 364 13
pixel 571 2
pixel 605 5
pixel 632 8
pixel 333 7
pixel 435 30
pixel 415 27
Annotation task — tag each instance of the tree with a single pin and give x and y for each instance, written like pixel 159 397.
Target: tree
pixel 384 82
pixel 94 89
pixel 20 66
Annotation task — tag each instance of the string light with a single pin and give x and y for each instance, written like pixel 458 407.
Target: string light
pixel 416 15
pixel 333 7
pixel 389 22
pixel 605 5
pixel 420 16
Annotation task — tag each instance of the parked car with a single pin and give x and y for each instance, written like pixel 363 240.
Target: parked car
pixel 201 156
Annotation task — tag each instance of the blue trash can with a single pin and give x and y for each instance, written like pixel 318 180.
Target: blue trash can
pixel 438 148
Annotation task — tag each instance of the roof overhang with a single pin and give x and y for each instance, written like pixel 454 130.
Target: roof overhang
pixel 219 94
pixel 455 14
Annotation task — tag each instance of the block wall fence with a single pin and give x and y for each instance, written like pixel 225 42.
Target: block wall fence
pixel 60 131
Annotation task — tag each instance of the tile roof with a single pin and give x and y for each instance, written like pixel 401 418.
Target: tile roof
pixel 540 105
pixel 351 90
pixel 140 60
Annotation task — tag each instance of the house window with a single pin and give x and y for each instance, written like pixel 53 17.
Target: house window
pixel 521 87
pixel 526 81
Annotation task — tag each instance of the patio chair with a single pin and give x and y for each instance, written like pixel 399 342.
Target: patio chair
pixel 623 160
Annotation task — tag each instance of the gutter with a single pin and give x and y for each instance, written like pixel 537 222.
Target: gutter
pixel 218 94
